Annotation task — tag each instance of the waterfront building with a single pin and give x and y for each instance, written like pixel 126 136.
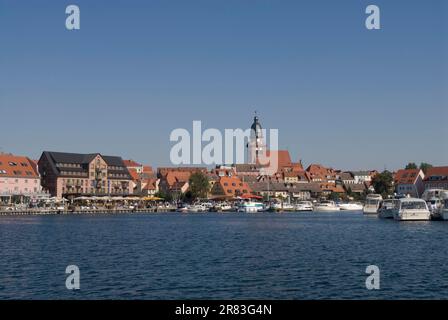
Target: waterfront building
pixel 231 187
pixel 135 179
pixel 330 187
pixel 175 179
pixel 319 173
pixel 409 182
pixel 70 175
pixel 148 187
pixel 140 175
pixel 436 178
pixel 19 178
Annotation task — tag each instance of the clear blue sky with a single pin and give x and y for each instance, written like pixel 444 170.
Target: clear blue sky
pixel 340 95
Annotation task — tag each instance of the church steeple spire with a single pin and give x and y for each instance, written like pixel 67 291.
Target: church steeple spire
pixel 256 144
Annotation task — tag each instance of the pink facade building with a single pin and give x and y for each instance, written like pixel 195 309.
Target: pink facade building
pixel 18 176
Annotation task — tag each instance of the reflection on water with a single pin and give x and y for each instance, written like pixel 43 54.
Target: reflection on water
pixel 222 256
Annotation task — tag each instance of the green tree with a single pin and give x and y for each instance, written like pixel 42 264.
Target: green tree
pixel 411 165
pixel 383 183
pixel 425 166
pixel 187 196
pixel 199 185
pixel 333 196
pixel 164 195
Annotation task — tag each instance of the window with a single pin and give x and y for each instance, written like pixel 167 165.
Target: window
pixel 23 164
pixel 2 171
pixel 12 164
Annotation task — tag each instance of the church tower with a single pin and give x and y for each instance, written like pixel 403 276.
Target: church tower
pixel 256 146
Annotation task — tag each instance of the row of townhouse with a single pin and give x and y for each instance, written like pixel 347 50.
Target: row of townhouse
pixel 414 182
pixel 69 175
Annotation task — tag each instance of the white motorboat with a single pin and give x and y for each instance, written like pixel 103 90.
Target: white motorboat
pixel 372 204
pixel 387 208
pixel 281 206
pixel 351 206
pixel 197 208
pixel 412 209
pixel 304 206
pixel 250 206
pixel 326 205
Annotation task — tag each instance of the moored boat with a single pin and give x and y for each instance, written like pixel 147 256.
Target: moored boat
pixel 250 206
pixel 372 204
pixel 304 206
pixel 412 209
pixel 326 205
pixel 387 208
pixel 281 206
pixel 351 206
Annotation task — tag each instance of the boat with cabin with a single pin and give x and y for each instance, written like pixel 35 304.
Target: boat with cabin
pixel 387 208
pixel 250 206
pixel 303 206
pixel 412 209
pixel 327 206
pixel 372 204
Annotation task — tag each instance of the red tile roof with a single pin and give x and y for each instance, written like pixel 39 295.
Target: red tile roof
pixel 150 184
pixel 134 174
pixel 174 177
pixel 131 163
pixel 147 169
pixel 406 176
pixel 284 159
pixel 319 171
pixel 17 166
pixel 231 186
pixel 437 171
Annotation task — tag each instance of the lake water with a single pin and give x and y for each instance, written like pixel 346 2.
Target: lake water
pixel 222 256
